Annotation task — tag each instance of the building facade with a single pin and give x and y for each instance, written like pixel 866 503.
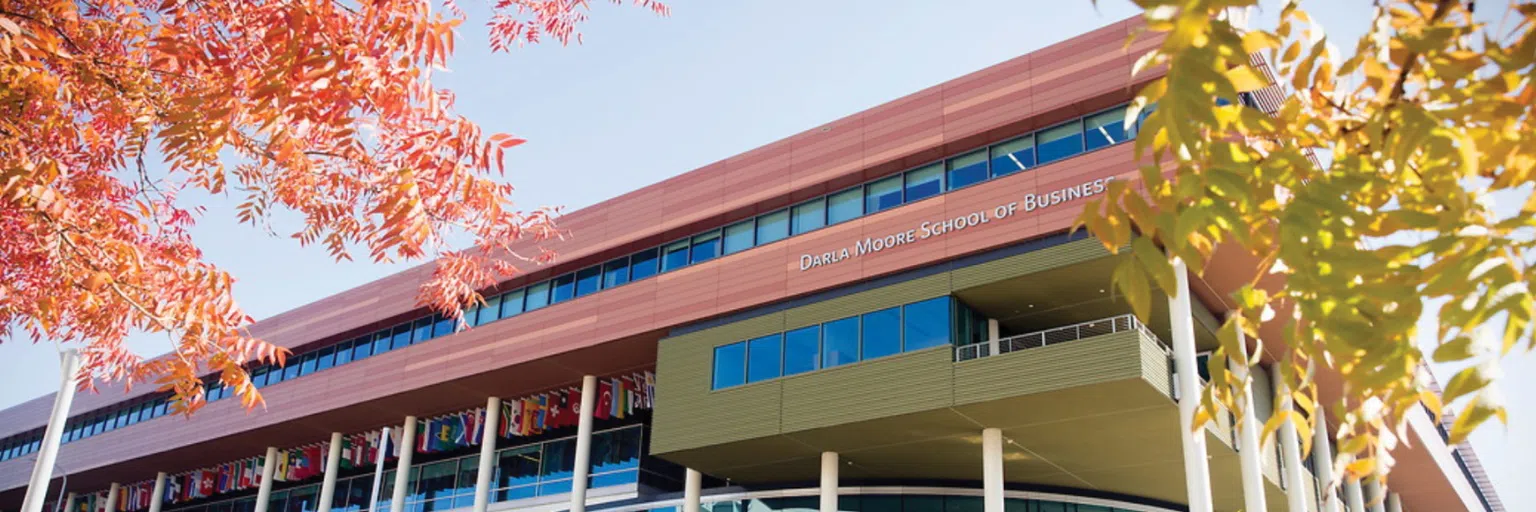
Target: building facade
pixel 885 312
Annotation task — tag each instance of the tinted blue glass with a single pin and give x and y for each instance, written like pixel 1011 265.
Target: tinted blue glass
pixel 808 216
pixel 882 333
pixel 840 342
pixel 772 227
pixel 326 359
pixel 802 350
pixel 706 247
pixel 512 303
pixel 1013 156
pixel 307 365
pixel 422 331
pixel 537 296
pixel 443 326
pixel 1105 128
pixel 564 289
pixel 925 182
pixel 642 265
pixel 926 324
pixel 559 459
pixel 765 358
pixel 615 450
pixel 343 353
pixel 730 365
pixel 517 467
pixel 380 342
pixel 967 169
pixel 845 206
pixel 616 272
pixel 291 371
pixel 882 194
pixel 401 336
pixel 1060 142
pixel 675 257
pixel 619 478
pixel 589 280
pixel 738 237
pixel 490 312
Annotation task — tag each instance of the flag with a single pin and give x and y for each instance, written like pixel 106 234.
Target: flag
pixel 245 474
pixel 205 483
pixel 347 455
pixel 475 431
pixel 513 415
pixel 392 445
pixel 541 415
pixel 530 408
pixel 557 408
pixel 604 407
pixel 650 390
pixel 313 454
pixel 573 395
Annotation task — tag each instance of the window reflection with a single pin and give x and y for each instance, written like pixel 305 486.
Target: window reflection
pixel 1013 156
pixel 808 216
pixel 924 182
pixel 1060 142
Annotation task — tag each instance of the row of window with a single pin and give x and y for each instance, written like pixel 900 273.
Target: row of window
pixel 527 471
pixel 1018 154
pixel 890 331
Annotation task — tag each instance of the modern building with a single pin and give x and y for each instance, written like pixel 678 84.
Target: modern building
pixel 885 312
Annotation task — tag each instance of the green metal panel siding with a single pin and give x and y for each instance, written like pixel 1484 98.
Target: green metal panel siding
pixel 1105 358
pixel 891 386
pixel 688 414
pixel 1155 366
pixel 1028 263
pixel 866 301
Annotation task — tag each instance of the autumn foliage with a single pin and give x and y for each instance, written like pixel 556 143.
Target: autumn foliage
pixel 110 110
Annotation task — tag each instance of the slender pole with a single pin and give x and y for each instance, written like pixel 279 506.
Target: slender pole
pixel 1394 502
pixel 828 481
pixel 378 469
pixel 63 486
pixel 1353 498
pixel 158 496
pixel 583 445
pixel 1197 470
pixel 487 454
pixel 693 484
pixel 403 465
pixel 264 490
pixel 1322 461
pixel 1374 501
pixel 1250 462
pixel 1290 449
pixel 112 493
pixel 48 453
pixel 992 469
pixel 332 466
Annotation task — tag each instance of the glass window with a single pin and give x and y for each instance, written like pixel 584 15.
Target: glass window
pixel 359 492
pixel 1059 142
pixel 845 206
pixel 538 296
pixel 307 364
pixel 1105 129
pixel 325 359
pixel 772 227
pixel 840 342
pixel 1013 156
pixel 564 288
pixel 882 194
pixel 925 324
pixel 512 303
pixel 706 247
pixel 422 330
pixel 559 460
pixel 808 216
pixel 615 450
pixel 290 370
pixel 516 467
pixel 343 353
pixel 361 348
pixel 882 333
pixel 437 480
pixel 675 256
pixel 589 280
pixel 400 336
pixel 967 169
pixel 464 491
pixel 642 265
pixel 924 182
pixel 381 342
pixel 275 501
pixel 802 350
pixel 616 272
pixel 765 358
pixel 442 326
pixel 490 312
pixel 738 237
pixel 161 407
pixel 730 365
pixel 302 499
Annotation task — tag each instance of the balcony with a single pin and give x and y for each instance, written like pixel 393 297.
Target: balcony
pixel 1054 336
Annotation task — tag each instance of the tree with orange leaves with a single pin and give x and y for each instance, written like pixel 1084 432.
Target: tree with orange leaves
pixel 111 109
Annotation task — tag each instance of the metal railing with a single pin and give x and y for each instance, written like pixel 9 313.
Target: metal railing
pixel 1053 336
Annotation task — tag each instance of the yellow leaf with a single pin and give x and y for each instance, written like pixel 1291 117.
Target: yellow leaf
pixel 1245 79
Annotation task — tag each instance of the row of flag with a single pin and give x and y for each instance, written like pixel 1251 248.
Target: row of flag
pixel 617 397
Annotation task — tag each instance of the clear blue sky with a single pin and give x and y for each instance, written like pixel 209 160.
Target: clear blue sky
pixel 647 98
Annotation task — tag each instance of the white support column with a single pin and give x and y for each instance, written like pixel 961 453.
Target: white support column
pixel 1374 501
pixel 1394 502
pixel 829 481
pixel 1290 449
pixel 992 469
pixel 264 491
pixel 1250 458
pixel 1322 461
pixel 487 454
pixel 1353 498
pixel 1197 470
pixel 403 465
pixel 332 466
pixel 48 454
pixel 112 493
pixel 994 332
pixel 693 483
pixel 583 445
pixel 158 497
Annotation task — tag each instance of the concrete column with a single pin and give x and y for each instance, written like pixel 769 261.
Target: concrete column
pixel 583 445
pixel 1322 460
pixel 332 466
pixel 69 501
pixel 1250 459
pixel 1353 498
pixel 112 493
pixel 487 454
pixel 48 453
pixel 158 497
pixel 1197 470
pixel 994 333
pixel 264 491
pixel 829 481
pixel 693 483
pixel 992 469
pixel 1374 501
pixel 1394 502
pixel 403 465
pixel 1290 449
